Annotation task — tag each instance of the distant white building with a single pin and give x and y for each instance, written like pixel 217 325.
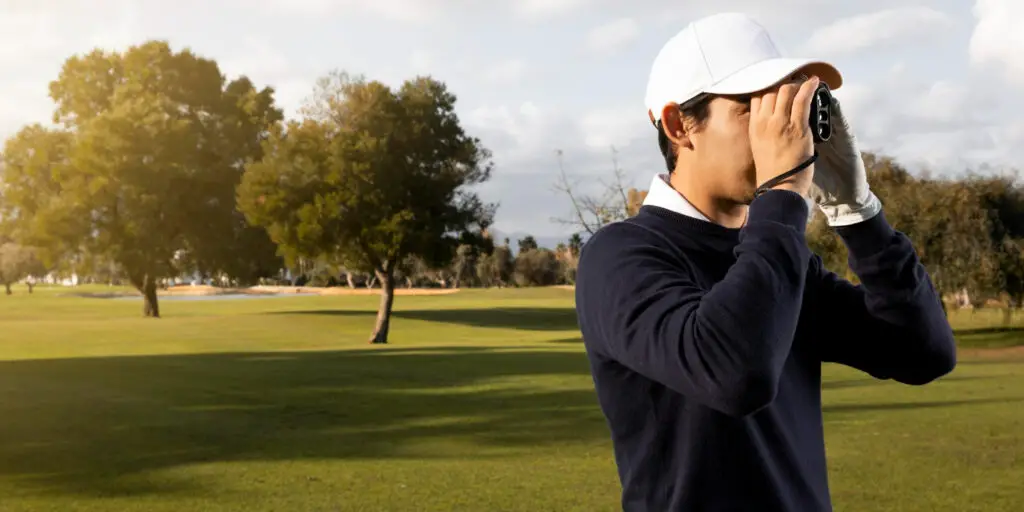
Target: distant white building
pixel 54 279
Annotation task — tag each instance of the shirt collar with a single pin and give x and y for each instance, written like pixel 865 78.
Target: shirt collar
pixel 662 194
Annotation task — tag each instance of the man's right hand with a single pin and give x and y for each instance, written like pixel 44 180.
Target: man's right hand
pixel 780 134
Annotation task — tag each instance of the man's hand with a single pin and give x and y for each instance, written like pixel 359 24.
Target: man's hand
pixel 840 181
pixel 780 136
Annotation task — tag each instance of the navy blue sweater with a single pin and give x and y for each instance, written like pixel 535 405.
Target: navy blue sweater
pixel 706 346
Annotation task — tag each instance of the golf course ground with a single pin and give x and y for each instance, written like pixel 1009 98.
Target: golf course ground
pixel 482 401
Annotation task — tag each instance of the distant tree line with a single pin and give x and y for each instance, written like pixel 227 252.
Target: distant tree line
pixel 968 230
pixel 477 263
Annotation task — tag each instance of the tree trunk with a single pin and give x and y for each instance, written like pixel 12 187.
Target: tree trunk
pixel 387 299
pixel 350 280
pixel 30 287
pixel 8 287
pixel 150 306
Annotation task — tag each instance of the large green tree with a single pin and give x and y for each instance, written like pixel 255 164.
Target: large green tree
pixel 144 171
pixel 370 176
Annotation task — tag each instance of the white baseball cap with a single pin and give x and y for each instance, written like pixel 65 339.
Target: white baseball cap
pixel 728 53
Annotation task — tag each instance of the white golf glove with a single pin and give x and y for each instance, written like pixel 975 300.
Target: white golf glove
pixel 840 181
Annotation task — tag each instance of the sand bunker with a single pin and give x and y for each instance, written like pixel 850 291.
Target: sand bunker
pixel 204 290
pixel 286 290
pixel 341 290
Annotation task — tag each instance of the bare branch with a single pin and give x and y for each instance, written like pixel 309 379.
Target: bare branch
pixel 619 177
pixel 581 206
pixel 591 212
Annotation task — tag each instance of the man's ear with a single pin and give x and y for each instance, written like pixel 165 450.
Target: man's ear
pixel 674 127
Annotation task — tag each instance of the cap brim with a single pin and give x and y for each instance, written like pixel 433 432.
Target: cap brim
pixel 768 73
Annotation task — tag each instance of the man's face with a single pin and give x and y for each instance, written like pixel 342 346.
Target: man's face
pixel 721 156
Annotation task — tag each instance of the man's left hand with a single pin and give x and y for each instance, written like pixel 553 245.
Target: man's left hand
pixel 840 180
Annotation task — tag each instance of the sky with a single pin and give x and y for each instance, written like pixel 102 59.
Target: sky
pixel 936 84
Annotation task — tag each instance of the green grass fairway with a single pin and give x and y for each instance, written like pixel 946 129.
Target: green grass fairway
pixel 482 402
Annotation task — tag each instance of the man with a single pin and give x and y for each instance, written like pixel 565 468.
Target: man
pixel 706 317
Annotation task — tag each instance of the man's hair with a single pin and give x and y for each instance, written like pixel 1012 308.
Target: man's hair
pixel 696 113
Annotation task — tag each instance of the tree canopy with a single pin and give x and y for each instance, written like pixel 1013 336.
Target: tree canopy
pixel 144 167
pixel 370 176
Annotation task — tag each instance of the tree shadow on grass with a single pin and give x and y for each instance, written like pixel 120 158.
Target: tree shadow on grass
pixel 902 406
pixel 531 319
pixel 849 383
pixel 991 361
pixel 99 426
pixel 990 337
pixel 95 426
pixel 989 330
pixel 571 340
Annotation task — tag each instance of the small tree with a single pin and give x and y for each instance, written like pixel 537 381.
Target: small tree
pixel 464 266
pixel 527 243
pixel 537 267
pixel 17 263
pixel 496 269
pixel 575 244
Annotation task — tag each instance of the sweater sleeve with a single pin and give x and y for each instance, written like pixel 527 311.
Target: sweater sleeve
pixel 892 326
pixel 722 345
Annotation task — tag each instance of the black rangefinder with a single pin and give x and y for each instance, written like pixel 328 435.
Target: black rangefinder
pixel 821 114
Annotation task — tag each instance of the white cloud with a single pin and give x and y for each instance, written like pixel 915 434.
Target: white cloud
pixel 617 127
pixel 406 11
pixel 35 39
pixel 256 58
pixel 857 33
pixel 998 37
pixel 291 93
pixel 613 35
pixel 506 72
pixel 538 9
pixel 514 134
pixel 943 102
pixel 26 34
pixel 795 16
pixel 952 150
pixel 122 28
pixel 947 126
pixel 421 61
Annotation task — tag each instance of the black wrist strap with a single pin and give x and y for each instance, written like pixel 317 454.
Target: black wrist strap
pixel 770 184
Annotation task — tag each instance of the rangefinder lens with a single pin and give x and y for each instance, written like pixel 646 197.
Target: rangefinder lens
pixel 825 132
pixel 821 114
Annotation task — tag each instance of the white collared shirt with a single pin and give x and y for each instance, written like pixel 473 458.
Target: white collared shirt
pixel 662 194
